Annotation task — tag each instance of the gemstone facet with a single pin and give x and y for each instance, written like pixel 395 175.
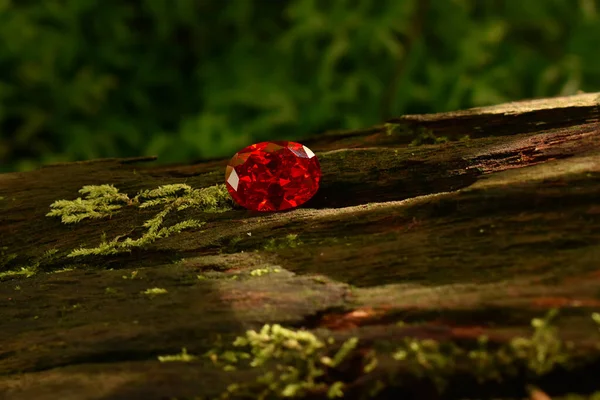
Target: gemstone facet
pixel 273 176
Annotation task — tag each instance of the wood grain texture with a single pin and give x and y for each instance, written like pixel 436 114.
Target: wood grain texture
pixel 468 237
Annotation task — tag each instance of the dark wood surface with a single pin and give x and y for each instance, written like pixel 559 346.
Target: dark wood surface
pixel 493 225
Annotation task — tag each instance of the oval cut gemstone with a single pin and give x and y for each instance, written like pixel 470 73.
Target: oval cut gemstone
pixel 273 176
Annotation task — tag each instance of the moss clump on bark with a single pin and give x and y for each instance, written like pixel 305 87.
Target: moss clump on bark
pixel 298 363
pixel 103 201
pixel 155 291
pixel 289 241
pixel 27 270
pixel 263 271
pixel 301 361
pixel 184 356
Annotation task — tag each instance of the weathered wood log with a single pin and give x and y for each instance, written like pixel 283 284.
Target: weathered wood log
pixel 458 225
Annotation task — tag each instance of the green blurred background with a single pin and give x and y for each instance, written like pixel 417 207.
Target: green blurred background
pixel 192 79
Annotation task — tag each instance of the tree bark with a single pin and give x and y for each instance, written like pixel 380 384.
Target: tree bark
pixel 456 224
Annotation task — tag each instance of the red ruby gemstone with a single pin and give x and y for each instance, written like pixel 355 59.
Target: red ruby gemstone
pixel 273 176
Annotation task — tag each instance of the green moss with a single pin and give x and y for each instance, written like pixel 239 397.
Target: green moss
pixel 24 271
pixel 216 275
pixel 100 202
pixel 132 275
pixel 115 246
pixel 298 359
pixel 537 355
pixel 213 199
pixel 544 350
pixel 426 136
pixel 402 129
pixel 49 255
pixel 58 271
pixel 232 246
pixel 596 318
pixel 110 290
pixel 298 363
pixel 103 201
pixel 31 269
pixel 263 271
pixel 184 356
pixel 290 241
pixel 155 291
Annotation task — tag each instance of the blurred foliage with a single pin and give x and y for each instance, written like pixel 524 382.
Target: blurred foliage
pixel 190 79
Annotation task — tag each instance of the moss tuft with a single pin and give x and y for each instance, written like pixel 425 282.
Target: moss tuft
pixel 115 246
pixel 104 200
pixel 300 362
pixel 184 356
pixel 212 199
pixel 263 271
pixel 155 291
pixel 392 128
pixel 133 275
pixel 426 136
pixel 596 318
pixel 100 202
pixel 5 257
pixel 59 271
pixel 290 241
pixel 24 271
pixel 29 270
pixel 297 363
